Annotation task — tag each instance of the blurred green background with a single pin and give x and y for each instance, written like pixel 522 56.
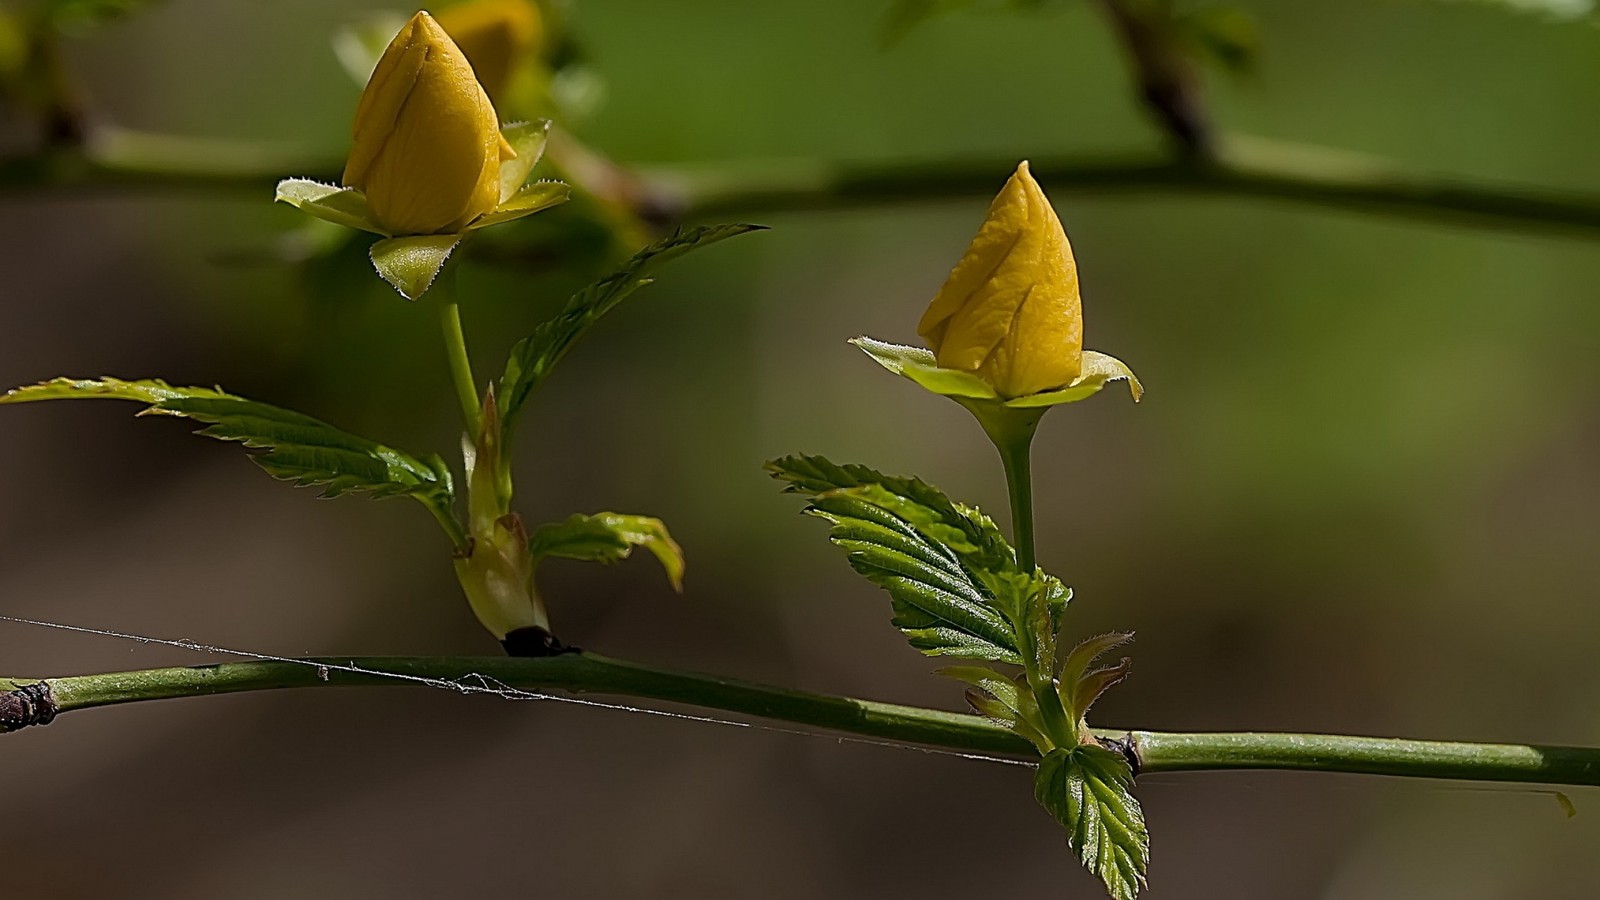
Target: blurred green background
pixel 1362 494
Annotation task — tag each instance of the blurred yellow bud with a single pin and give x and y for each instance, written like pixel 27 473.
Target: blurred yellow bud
pixel 496 35
pixel 1010 311
pixel 427 147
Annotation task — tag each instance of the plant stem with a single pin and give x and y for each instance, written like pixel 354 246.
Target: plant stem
pixel 1312 176
pixel 1019 485
pixel 586 672
pixel 455 346
pixel 1170 752
pixel 1011 431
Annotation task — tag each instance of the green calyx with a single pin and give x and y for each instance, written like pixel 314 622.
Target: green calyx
pixel 919 365
pixel 410 263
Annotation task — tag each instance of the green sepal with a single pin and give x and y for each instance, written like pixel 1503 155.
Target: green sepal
pixel 1089 790
pixel 297 448
pixel 410 264
pixel 1098 370
pixel 919 365
pixel 536 197
pixel 329 202
pixel 533 358
pixel 529 140
pixel 608 537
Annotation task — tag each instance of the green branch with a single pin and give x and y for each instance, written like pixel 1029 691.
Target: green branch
pixel 32 703
pixel 1240 167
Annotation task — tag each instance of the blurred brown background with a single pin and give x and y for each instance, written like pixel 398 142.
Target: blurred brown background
pixel 1362 495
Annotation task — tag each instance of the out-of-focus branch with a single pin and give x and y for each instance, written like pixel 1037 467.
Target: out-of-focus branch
pixel 1168 77
pixel 1240 168
pixel 30 703
pixel 1296 174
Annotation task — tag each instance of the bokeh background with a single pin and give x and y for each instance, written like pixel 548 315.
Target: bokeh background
pixel 1362 495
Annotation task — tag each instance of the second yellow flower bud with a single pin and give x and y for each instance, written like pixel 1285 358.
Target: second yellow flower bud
pixel 1010 310
pixel 427 147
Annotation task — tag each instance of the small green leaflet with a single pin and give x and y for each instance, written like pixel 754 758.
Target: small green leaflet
pixel 1089 791
pixel 535 356
pixel 298 448
pixel 1080 685
pixel 608 537
pixel 1007 701
pixel 946 567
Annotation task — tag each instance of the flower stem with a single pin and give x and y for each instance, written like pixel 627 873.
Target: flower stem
pixel 1011 431
pixel 28 703
pixel 455 346
pixel 1019 484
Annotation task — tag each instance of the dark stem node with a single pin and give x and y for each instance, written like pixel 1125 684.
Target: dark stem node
pixel 1128 747
pixel 30 704
pixel 534 641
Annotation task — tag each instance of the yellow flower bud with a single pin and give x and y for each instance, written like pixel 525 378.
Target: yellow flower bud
pixel 427 147
pixel 1010 311
pixel 495 35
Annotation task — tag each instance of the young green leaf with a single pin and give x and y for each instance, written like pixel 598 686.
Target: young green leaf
pixel 298 448
pixel 940 563
pixel 1088 789
pixel 968 533
pixel 1080 686
pixel 534 357
pixel 608 537
pixel 1005 700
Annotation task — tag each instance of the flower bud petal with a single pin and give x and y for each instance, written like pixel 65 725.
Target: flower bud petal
pixel 427 145
pixel 495 35
pixel 1010 310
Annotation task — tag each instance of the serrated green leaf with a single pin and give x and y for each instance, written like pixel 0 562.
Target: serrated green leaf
pixel 607 538
pixel 967 532
pixel 1088 789
pixel 533 358
pixel 410 264
pixel 297 447
pixel 940 563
